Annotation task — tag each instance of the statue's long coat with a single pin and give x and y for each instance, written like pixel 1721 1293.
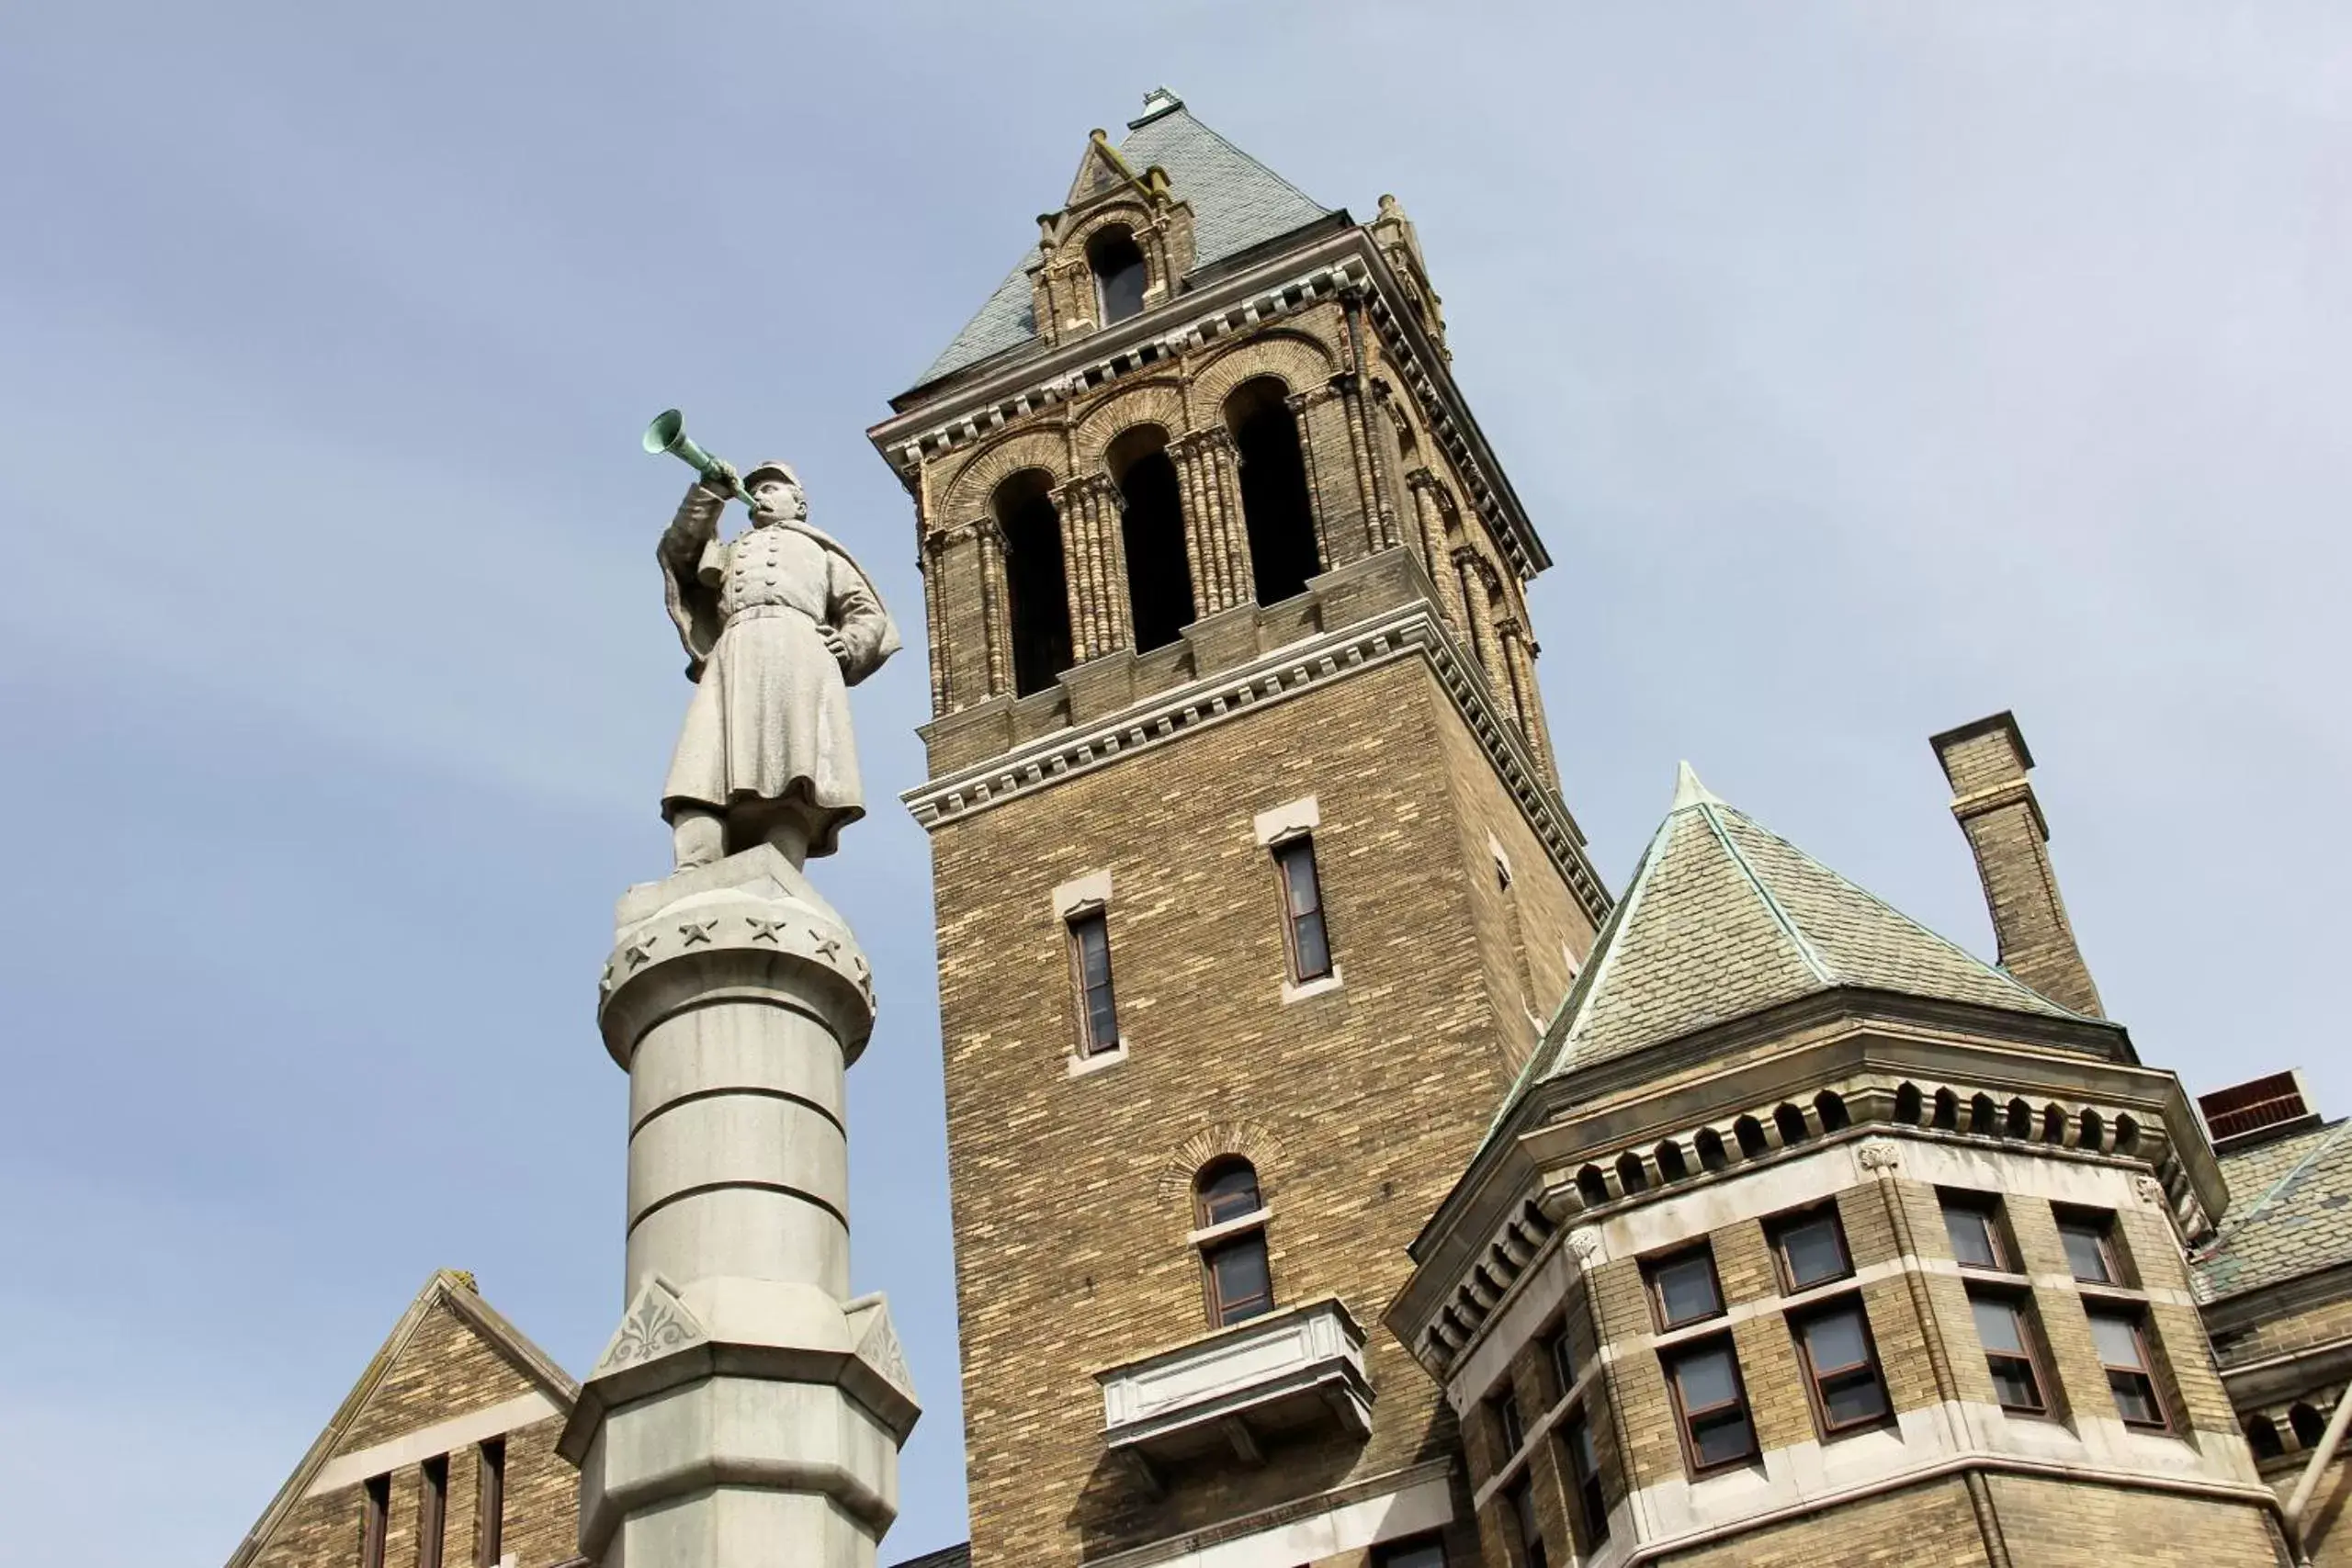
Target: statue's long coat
pixel 769 720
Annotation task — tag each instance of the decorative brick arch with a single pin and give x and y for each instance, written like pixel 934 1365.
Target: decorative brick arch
pixel 1159 402
pixel 1299 362
pixel 967 495
pixel 1253 1141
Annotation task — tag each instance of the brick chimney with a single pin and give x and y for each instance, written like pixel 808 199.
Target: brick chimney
pixel 1987 762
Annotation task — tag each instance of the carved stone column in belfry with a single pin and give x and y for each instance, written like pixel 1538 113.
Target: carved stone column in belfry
pixel 1321 492
pixel 995 599
pixel 1470 572
pixel 1519 659
pixel 1429 515
pixel 967 618
pixel 1094 565
pixel 1381 422
pixel 1350 389
pixel 934 620
pixel 1205 463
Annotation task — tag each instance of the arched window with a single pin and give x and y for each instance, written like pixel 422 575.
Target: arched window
pixel 1120 274
pixel 1033 578
pixel 1231 1215
pixel 1151 525
pixel 1275 508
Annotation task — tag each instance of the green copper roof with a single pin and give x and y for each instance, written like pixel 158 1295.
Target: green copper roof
pixel 1723 918
pixel 1236 202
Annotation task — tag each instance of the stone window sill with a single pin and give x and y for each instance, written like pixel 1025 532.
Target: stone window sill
pixel 1078 1066
pixel 1299 993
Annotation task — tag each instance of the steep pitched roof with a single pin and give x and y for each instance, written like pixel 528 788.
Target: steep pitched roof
pixel 1724 918
pixel 1236 202
pixel 2291 1214
pixel 448 1289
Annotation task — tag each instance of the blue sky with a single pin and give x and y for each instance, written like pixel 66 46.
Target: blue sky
pixel 1868 368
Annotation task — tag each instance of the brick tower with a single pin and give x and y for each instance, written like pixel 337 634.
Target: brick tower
pixel 1254 883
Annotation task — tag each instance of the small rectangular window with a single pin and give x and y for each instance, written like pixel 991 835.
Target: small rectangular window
pixel 1509 1429
pixel 1526 1531
pixel 2123 1350
pixel 2008 1354
pixel 2090 1250
pixel 1975 1233
pixel 490 1511
pixel 1847 1393
pixel 1089 946
pixel 1812 1250
pixel 1683 1289
pixel 1562 1358
pixel 1584 1481
pixel 375 1511
pixel 1712 1406
pixel 1310 945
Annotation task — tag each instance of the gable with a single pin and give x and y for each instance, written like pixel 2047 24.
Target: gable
pixel 451 1374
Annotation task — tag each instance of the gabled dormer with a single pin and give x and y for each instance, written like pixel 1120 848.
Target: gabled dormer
pixel 1121 243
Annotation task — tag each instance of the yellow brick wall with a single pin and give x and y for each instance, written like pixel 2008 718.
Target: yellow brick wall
pixel 1359 1106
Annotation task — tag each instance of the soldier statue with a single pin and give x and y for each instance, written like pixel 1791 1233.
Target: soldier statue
pixel 778 623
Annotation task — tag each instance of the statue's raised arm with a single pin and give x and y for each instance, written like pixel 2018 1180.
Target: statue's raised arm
pixel 778 623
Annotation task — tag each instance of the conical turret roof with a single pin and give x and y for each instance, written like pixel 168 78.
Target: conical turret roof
pixel 1236 202
pixel 1723 918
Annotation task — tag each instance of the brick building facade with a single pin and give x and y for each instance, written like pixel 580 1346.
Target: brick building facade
pixel 1340 1175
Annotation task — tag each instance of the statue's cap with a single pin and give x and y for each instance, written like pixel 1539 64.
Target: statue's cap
pixel 776 466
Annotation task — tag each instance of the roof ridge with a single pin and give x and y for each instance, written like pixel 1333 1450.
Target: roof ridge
pixel 1814 961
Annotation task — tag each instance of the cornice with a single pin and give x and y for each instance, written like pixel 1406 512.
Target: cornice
pixel 1311 663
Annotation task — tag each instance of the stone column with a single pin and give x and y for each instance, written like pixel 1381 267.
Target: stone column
pixel 1094 562
pixel 996 603
pixel 935 615
pixel 1518 658
pixel 1430 520
pixel 1322 492
pixel 1470 572
pixel 744 1415
pixel 1204 463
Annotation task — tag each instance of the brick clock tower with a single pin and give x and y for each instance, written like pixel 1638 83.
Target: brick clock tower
pixel 1254 882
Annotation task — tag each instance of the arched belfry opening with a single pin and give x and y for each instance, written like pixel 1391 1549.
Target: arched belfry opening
pixel 1151 525
pixel 1033 578
pixel 1120 275
pixel 1275 507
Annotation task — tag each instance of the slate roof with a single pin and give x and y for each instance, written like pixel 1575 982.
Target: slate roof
pixel 946 1557
pixel 1236 202
pixel 1723 918
pixel 2291 1213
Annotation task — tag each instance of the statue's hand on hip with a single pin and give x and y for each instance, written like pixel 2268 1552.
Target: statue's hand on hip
pixel 835 645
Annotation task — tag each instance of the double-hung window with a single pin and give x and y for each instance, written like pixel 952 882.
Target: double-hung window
pixel 1098 1007
pixel 2089 1241
pixel 1712 1406
pixel 2121 1339
pixel 2010 1355
pixel 1683 1289
pixel 1841 1366
pixel 1590 1501
pixel 1526 1531
pixel 1303 932
pixel 1510 1427
pixel 1973 1225
pixel 1810 1250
